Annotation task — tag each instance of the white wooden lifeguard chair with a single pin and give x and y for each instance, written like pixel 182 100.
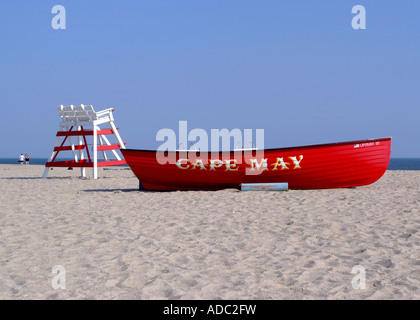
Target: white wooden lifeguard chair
pixel 84 123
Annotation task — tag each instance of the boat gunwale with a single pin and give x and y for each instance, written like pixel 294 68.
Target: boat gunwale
pixel 270 149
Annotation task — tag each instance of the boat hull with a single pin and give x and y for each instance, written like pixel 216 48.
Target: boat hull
pixel 334 165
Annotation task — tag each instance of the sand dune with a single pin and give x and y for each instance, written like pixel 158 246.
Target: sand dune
pixel 115 242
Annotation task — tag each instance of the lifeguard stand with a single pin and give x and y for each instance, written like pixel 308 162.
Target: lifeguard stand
pixel 84 123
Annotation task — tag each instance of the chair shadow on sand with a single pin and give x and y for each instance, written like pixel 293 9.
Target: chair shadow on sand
pixel 22 178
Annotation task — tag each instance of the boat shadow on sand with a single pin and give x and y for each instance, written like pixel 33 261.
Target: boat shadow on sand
pixel 118 190
pixel 152 191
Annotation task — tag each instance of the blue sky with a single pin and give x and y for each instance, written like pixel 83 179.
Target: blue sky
pixel 296 69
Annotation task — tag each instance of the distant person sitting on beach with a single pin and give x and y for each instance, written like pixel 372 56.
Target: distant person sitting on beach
pixel 26 158
pixel 21 158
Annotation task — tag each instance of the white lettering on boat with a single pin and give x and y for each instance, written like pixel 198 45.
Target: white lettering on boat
pixel 367 144
pixel 297 163
pixel 233 165
pixel 213 164
pixel 263 164
pixel 179 164
pixel 200 163
pixel 281 162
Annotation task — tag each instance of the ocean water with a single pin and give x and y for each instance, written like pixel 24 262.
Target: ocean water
pixel 31 160
pixel 394 163
pixel 404 164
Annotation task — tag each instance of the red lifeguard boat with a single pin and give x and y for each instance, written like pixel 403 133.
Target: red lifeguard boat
pixel 323 166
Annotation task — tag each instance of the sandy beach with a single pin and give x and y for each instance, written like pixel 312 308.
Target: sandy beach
pixel 112 241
